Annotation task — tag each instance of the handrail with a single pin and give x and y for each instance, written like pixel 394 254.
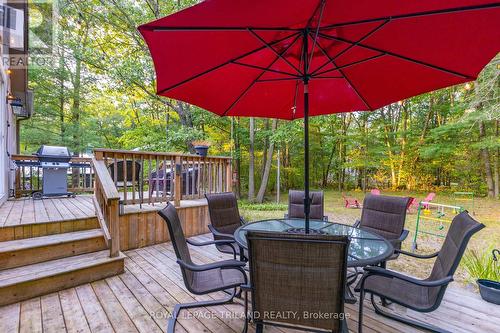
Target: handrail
pixel 107 203
pixel 29 175
pixel 109 190
pixel 149 177
pixel 98 151
pixel 24 157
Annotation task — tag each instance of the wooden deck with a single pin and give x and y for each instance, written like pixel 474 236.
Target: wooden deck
pixel 28 211
pixel 140 300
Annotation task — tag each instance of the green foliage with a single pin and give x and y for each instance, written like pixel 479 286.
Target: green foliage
pixel 480 265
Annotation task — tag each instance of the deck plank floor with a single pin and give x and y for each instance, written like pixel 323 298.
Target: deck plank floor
pixel 141 299
pixel 28 211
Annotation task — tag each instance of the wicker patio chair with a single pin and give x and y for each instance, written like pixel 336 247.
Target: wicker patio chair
pixel 224 219
pixel 385 216
pixel 296 273
pixel 201 279
pixel 296 205
pixel 420 295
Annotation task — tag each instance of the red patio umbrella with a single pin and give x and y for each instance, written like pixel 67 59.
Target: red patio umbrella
pixel 294 59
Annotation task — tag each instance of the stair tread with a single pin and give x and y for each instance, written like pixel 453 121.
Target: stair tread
pixel 54 267
pixel 27 243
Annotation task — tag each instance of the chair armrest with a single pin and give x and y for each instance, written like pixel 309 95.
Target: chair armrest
pixel 242 220
pixel 219 234
pixel 216 242
pixel 246 287
pixel 213 242
pixel 356 224
pixel 403 235
pixel 225 264
pixel 418 256
pixel 325 218
pixel 374 270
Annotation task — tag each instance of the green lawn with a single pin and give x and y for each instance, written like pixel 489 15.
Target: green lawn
pixel 486 211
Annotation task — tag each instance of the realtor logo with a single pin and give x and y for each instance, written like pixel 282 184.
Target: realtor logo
pixel 41 34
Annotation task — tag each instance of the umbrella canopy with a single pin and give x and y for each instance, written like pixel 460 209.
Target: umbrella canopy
pixel 291 59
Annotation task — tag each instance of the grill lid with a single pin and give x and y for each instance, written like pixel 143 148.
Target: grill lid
pixel 53 151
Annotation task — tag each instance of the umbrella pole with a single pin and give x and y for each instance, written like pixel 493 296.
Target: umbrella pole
pixel 307 201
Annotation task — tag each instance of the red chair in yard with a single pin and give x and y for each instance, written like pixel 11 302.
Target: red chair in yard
pixel 350 202
pixel 414 203
pixel 375 191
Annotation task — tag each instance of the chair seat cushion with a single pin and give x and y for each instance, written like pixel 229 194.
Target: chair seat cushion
pixel 217 279
pixel 400 291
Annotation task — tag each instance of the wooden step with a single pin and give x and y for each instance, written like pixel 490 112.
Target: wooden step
pixel 38 229
pixel 29 251
pixel 21 283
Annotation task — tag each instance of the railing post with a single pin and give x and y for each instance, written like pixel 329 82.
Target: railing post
pixel 114 225
pixel 229 177
pixel 178 181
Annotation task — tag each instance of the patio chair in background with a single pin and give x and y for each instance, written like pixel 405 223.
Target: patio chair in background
pixel 385 216
pixel 224 219
pixel 201 279
pixel 132 176
pixel 350 202
pixel 420 295
pixel 375 191
pixel 302 273
pixel 296 205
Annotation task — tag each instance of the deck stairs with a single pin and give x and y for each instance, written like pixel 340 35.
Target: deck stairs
pixel 38 265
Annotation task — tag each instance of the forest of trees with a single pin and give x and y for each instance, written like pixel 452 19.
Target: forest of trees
pixel 100 92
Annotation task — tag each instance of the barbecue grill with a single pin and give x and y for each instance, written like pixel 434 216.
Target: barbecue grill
pixel 54 162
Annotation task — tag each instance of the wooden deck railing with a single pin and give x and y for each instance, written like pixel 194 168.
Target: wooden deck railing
pixel 29 175
pixel 149 177
pixel 107 201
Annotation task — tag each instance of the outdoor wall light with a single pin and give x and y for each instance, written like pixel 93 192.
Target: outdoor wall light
pixel 17 107
pixel 11 97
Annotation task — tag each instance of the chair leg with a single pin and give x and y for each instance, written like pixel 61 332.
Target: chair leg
pixel 259 328
pixel 385 303
pixel 407 321
pixel 343 326
pixel 177 309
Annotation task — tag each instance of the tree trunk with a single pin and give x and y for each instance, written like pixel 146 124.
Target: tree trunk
pixel 485 156
pixel 496 161
pixel 267 168
pixel 251 163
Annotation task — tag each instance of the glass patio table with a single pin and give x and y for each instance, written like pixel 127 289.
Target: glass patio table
pixel 366 248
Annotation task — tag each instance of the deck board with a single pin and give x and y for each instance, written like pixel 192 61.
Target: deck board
pixel 141 299
pixel 28 211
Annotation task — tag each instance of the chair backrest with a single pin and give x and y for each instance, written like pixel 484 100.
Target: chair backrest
pixel 120 169
pixel 224 213
pixel 302 273
pixel 296 204
pixel 430 197
pixel 169 214
pixel 384 215
pixel 461 230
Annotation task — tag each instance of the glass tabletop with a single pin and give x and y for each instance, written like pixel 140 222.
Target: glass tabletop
pixel 366 248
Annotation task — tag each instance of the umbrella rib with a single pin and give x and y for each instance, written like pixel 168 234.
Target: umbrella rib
pixel 274 51
pixel 225 63
pixel 265 69
pixel 346 78
pixel 166 28
pixel 371 32
pixel 323 2
pixel 281 79
pixel 419 62
pixel 348 65
pixel 260 75
pixel 417 14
